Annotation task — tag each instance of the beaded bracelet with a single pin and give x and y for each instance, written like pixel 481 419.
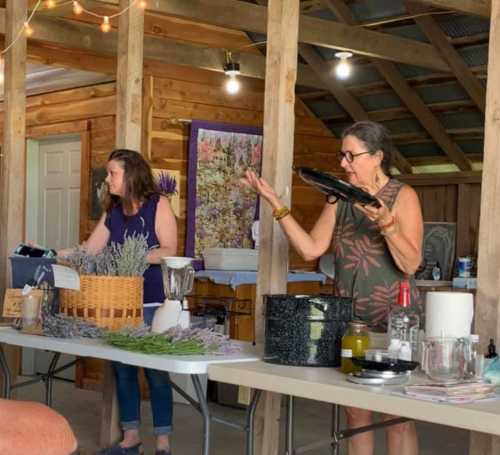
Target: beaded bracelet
pixel 278 214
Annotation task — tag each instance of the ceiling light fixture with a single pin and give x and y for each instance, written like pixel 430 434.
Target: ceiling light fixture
pixel 232 70
pixel 343 68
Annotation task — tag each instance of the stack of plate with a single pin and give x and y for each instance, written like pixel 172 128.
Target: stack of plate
pixel 375 377
pixel 387 371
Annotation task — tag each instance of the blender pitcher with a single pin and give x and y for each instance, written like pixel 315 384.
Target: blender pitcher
pixel 178 278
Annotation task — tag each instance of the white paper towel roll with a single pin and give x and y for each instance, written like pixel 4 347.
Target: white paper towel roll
pixel 448 314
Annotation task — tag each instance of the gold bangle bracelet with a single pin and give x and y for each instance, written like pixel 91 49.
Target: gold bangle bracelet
pixel 278 214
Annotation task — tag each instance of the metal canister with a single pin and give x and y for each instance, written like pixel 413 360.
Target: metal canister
pixel 464 267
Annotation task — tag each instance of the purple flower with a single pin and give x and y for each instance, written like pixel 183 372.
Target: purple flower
pixel 167 184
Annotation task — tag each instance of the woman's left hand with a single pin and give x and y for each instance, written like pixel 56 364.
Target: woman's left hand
pixel 380 215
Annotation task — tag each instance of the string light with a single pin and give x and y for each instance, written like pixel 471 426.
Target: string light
pixel 28 31
pixel 77 8
pixel 105 26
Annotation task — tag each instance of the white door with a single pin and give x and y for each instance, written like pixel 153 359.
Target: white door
pixel 52 212
pixel 59 192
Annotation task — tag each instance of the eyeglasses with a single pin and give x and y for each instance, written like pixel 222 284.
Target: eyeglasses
pixel 349 156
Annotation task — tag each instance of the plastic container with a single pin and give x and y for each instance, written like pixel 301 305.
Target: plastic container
pixel 230 259
pixel 24 268
pixel 305 329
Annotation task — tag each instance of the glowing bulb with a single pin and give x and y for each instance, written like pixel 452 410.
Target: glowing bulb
pixel 50 4
pixel 142 4
pixel 343 67
pixel 233 85
pixel 77 8
pixel 106 26
pixel 28 30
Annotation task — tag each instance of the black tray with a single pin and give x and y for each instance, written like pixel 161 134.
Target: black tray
pixel 333 186
pixel 396 365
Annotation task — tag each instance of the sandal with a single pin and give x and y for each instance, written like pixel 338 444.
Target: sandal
pixel 116 449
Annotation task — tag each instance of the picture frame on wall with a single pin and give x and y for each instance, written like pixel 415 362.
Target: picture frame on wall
pixel 97 186
pixel 175 195
pixel 220 210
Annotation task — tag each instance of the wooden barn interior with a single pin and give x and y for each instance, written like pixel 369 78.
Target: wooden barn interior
pixel 428 70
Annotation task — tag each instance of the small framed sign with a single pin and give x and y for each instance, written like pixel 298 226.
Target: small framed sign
pixel 13 301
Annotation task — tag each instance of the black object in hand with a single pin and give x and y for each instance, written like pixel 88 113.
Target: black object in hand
pixel 333 186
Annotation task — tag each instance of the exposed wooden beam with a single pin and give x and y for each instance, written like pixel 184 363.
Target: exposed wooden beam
pixel 411 99
pixel 13 157
pixel 71 35
pixel 129 78
pixel 240 15
pixel 459 68
pixel 441 178
pixel 477 7
pixel 279 121
pixel 344 98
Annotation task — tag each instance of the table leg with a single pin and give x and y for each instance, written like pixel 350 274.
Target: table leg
pixel 205 412
pixel 290 447
pixel 110 420
pixel 335 428
pixel 49 381
pixel 250 420
pixel 6 374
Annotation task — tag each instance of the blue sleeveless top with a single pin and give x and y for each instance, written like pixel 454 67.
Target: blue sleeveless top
pixel 143 222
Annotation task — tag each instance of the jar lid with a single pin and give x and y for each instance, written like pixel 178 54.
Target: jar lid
pixel 358 325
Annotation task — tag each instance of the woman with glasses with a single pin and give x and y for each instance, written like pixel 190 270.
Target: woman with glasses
pixel 374 249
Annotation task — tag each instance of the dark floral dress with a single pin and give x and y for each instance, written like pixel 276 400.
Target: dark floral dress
pixel 364 267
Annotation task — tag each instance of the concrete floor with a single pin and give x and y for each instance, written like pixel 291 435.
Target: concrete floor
pixel 82 409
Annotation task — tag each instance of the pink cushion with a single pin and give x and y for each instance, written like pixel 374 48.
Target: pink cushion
pixel 29 428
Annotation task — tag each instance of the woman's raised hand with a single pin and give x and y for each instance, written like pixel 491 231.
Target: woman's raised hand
pixel 265 190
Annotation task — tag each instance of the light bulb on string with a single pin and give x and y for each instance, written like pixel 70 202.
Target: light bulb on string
pixel 77 8
pixel 105 26
pixel 28 30
pixel 343 68
pixel 50 4
pixel 142 4
pixel 233 85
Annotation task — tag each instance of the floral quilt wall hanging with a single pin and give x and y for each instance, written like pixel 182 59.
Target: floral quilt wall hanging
pixel 220 209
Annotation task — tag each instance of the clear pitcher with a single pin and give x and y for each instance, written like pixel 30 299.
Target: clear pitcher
pixel 178 277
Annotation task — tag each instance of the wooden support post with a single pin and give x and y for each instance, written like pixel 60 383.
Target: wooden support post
pixel 487 316
pixel 128 135
pixel 13 169
pixel 129 77
pixel 13 154
pixel 279 120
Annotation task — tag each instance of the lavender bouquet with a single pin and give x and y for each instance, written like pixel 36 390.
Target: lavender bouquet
pixel 175 341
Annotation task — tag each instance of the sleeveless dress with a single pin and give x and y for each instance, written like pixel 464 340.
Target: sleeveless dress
pixel 143 222
pixel 364 267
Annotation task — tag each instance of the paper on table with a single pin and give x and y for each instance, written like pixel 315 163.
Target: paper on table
pixel 66 278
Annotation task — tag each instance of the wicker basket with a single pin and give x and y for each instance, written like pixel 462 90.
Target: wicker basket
pixel 110 302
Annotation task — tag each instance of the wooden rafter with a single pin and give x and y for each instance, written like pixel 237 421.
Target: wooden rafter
pixel 477 7
pixel 86 38
pixel 459 68
pixel 345 99
pixel 411 99
pixel 240 15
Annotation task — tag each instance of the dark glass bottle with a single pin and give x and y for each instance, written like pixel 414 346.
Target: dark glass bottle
pixel 492 350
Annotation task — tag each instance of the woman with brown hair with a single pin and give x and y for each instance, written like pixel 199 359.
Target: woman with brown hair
pixel 374 249
pixel 133 205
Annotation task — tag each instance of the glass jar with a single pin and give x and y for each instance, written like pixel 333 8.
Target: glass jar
pixel 354 343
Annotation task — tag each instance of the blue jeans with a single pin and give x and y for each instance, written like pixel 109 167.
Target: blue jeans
pixel 129 397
